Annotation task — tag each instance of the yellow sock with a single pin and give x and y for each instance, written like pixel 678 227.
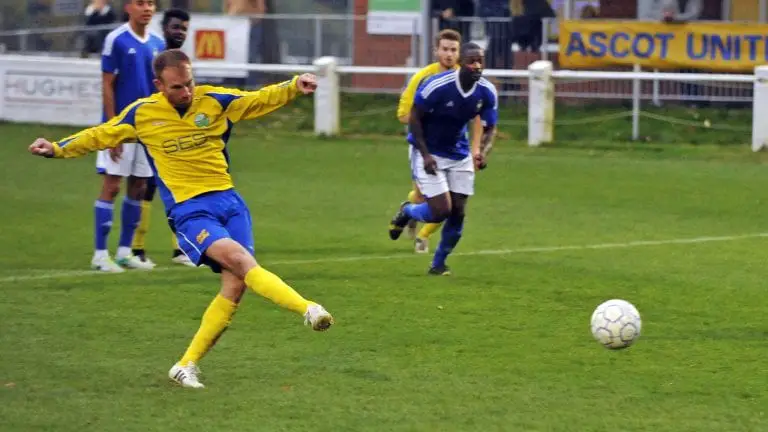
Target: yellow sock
pixel 175 242
pixel 141 231
pixel 413 197
pixel 269 285
pixel 428 229
pixel 216 319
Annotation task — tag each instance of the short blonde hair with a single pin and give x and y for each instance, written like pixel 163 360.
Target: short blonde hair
pixel 447 34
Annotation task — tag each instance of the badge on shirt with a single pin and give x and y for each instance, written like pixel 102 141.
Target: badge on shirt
pixel 202 120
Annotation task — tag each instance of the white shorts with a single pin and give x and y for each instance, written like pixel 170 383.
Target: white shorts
pixel 133 162
pixel 456 176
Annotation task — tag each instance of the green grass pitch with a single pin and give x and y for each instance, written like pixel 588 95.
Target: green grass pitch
pixel 502 345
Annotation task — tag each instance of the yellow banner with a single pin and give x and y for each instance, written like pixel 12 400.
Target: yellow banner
pixel 724 47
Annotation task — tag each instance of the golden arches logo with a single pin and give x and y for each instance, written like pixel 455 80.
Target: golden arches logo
pixel 210 44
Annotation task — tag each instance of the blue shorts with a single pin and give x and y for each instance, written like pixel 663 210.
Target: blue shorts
pixel 200 221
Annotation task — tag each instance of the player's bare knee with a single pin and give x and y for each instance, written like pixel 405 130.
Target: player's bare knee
pixel 240 262
pixel 456 217
pixel 440 209
pixel 457 212
pixel 110 188
pixel 137 188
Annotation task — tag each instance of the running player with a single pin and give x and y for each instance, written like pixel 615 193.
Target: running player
pixel 175 25
pixel 184 129
pixel 126 67
pixel 447 45
pixel 441 163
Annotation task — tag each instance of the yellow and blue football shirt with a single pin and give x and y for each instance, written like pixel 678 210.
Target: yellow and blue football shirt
pixel 187 151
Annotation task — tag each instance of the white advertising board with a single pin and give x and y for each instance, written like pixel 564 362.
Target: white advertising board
pixel 50 91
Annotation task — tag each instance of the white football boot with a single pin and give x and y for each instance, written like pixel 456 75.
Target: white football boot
pixel 318 317
pixel 104 263
pixel 183 260
pixel 186 375
pixel 133 262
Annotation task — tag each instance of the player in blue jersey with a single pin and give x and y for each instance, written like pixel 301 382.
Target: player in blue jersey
pixel 175 25
pixel 126 66
pixel 441 162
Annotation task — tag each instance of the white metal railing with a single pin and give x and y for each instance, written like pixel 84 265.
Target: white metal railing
pixel 539 83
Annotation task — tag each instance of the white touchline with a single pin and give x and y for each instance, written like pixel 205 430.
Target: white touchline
pixel 54 274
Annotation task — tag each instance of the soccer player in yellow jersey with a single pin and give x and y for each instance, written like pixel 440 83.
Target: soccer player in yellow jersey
pixel 447 45
pixel 184 130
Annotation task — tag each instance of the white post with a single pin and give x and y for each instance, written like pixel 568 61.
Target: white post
pixel 636 105
pixel 541 103
pixel 760 109
pixel 568 9
pixel 318 38
pixel 725 11
pixel 544 38
pixel 425 36
pixel 327 97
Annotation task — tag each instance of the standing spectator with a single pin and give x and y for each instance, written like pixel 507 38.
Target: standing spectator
pixel 98 13
pixel 455 15
pixel 589 12
pixel 527 29
pixel 677 12
pixel 680 11
pixel 498 53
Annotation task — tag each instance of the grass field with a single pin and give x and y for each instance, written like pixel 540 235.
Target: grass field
pixel 502 345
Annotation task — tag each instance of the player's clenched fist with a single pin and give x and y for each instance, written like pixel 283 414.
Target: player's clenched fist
pixel 307 83
pixel 430 164
pixel 41 147
pixel 480 161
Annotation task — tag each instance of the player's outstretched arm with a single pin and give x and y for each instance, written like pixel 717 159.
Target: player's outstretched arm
pixel 250 105
pixel 107 135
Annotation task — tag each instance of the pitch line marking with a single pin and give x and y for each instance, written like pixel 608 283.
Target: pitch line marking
pixel 55 274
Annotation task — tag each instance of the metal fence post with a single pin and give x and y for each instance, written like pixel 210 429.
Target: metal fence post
pixel 636 105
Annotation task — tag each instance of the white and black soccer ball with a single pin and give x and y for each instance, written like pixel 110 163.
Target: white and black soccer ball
pixel 616 324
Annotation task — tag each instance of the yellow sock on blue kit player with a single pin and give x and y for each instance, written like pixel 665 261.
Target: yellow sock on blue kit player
pixel 184 130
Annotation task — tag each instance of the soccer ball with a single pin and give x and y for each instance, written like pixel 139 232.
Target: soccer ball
pixel 616 324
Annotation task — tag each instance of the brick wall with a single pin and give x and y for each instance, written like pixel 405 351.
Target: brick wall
pixel 378 50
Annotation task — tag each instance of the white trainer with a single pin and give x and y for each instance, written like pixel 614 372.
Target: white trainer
pixel 186 375
pixel 104 263
pixel 183 260
pixel 134 262
pixel 318 317
pixel 421 246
